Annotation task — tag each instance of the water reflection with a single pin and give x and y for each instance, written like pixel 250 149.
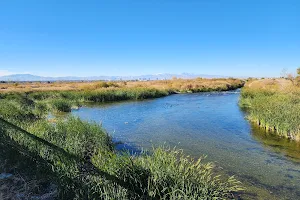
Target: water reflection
pixel 290 149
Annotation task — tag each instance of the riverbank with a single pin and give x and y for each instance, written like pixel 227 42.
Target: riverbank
pixel 84 158
pixel 62 96
pixel 273 104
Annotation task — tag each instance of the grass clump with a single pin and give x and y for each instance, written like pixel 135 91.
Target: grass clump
pixel 16 112
pixel 74 136
pixel 106 84
pixel 177 176
pixel 61 105
pixel 169 174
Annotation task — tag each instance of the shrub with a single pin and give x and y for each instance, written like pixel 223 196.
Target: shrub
pixel 61 105
pixel 102 85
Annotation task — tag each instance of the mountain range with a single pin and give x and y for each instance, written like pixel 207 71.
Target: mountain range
pixel 30 77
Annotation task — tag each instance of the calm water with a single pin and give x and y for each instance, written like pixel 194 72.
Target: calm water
pixel 209 124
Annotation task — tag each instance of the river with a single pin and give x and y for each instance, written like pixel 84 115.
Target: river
pixel 209 124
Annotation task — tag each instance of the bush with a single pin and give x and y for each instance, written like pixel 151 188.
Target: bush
pixel 61 105
pixel 102 85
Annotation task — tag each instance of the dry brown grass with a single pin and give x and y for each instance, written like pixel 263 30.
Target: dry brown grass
pixel 175 84
pixel 276 85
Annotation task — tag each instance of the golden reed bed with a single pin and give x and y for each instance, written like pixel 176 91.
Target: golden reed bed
pixel 174 84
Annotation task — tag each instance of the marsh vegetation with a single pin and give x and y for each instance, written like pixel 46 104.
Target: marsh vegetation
pixel 273 104
pixel 175 85
pixel 83 157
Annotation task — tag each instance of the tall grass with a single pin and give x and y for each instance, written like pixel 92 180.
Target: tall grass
pixel 169 174
pixel 17 112
pixel 73 135
pixel 163 174
pixel 121 94
pixel 61 105
pixel 274 110
pixel 82 155
pixel 63 101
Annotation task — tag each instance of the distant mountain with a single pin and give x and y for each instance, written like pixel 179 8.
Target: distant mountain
pixel 30 77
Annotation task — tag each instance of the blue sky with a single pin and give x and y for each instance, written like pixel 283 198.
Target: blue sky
pixel 134 37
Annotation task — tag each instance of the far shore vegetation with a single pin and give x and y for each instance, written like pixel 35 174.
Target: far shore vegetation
pixel 80 158
pixel 274 104
pixel 62 96
pixel 176 84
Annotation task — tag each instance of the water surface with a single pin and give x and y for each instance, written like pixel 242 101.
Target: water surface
pixel 209 124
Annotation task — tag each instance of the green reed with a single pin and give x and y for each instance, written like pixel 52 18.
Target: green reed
pixel 273 110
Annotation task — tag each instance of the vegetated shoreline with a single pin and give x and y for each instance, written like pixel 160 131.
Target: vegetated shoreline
pixel 174 84
pixel 64 96
pixel 82 154
pixel 274 105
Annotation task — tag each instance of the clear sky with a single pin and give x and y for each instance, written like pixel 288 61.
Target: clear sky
pixel 134 37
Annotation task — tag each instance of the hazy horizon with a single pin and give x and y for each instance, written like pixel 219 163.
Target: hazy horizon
pixel 279 74
pixel 177 75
